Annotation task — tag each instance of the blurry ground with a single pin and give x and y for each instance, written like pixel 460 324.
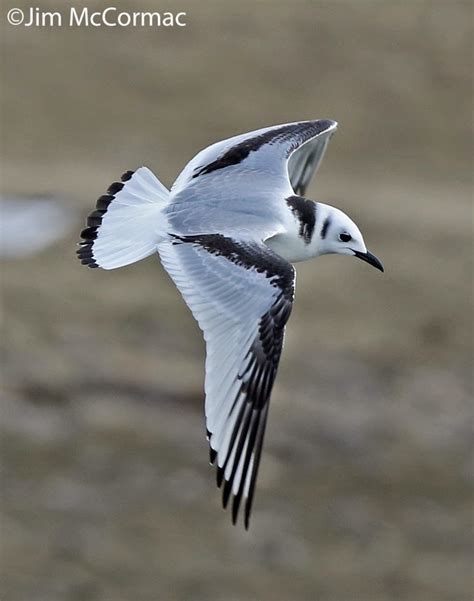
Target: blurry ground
pixel 364 492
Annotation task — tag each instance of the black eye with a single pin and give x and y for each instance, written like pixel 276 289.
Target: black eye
pixel 345 237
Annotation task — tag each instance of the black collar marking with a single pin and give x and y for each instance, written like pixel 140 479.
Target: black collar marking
pixel 305 211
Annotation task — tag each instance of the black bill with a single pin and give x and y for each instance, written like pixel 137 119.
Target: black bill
pixel 368 257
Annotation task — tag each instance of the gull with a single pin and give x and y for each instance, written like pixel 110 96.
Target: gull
pixel 227 233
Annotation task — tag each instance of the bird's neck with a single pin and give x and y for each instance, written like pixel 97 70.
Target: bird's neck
pixel 300 240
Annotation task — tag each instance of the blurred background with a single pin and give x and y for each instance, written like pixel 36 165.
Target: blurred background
pixel 364 491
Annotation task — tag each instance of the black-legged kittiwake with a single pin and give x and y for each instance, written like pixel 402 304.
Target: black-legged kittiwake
pixel 227 233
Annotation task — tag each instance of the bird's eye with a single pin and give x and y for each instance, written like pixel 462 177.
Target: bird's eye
pixel 345 237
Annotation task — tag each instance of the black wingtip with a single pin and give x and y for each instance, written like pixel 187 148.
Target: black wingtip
pixel 235 507
pixel 226 493
pixel 220 476
pixel 212 455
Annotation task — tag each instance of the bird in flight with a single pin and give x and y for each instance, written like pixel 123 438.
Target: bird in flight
pixel 228 232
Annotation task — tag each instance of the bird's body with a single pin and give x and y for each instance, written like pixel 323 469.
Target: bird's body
pixel 227 233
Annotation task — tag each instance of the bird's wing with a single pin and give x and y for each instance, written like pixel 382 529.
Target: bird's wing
pixel 238 185
pixel 241 294
pixel 304 162
pixel 288 153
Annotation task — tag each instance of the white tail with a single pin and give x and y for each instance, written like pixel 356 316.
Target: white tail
pixel 128 222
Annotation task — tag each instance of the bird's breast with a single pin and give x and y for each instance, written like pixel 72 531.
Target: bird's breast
pixel 291 247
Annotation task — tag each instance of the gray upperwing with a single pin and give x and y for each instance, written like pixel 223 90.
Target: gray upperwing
pixel 240 183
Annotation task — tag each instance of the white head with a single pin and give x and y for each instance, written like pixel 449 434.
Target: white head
pixel 336 233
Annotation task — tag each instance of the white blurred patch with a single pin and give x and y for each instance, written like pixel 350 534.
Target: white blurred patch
pixel 31 224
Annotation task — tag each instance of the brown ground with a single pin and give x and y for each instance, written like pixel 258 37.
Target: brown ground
pixel 364 493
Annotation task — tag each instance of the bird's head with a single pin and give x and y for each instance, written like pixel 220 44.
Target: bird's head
pixel 338 234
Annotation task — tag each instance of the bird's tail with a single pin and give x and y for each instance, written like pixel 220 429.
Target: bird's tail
pixel 128 222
